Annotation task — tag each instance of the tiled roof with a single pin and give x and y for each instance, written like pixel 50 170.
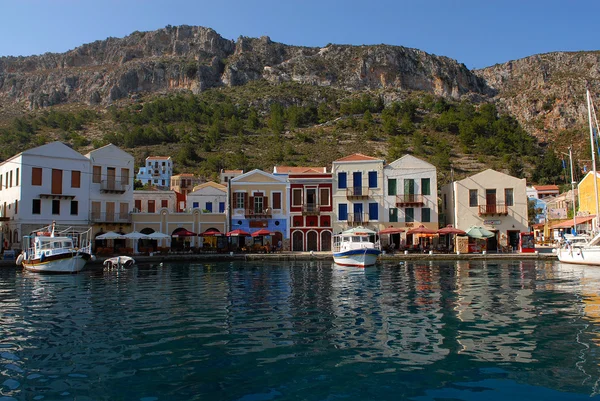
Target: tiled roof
pixel 233 171
pixel 356 157
pixel 184 175
pixel 546 187
pixel 297 170
pixel 158 157
pixel 569 222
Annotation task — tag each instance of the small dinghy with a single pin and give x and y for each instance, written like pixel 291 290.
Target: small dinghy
pixel 119 262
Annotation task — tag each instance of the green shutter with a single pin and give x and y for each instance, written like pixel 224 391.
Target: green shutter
pixel 425 186
pixel 392 186
pixel 409 187
pixel 426 215
pixel 393 215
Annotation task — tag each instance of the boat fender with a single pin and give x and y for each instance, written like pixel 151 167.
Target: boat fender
pixel 42 257
pixel 19 260
pixel 93 258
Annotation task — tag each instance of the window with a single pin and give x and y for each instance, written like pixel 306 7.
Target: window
pixel 208 206
pixel 16 206
pixel 55 206
pixel 392 186
pixel 297 197
pixel 393 215
pixel 445 202
pixel 11 175
pixel 276 200
pixel 151 206
pixel 0 182
pixel 221 207
pixel 17 177
pixel 97 174
pixel 342 211
pixel 74 207
pixel 36 207
pixel 196 205
pixel 124 176
pixel 425 186
pixel 342 181
pixel 163 183
pixel 324 196
pixel 409 214
pixel 164 203
pixel 472 197
pixel 373 211
pixel 508 197
pixel 239 200
pixel 36 176
pixel 258 203
pixel 138 205
pixel 426 215
pixel 75 179
pixel 372 179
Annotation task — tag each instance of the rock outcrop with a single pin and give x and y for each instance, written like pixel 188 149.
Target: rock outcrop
pixel 197 58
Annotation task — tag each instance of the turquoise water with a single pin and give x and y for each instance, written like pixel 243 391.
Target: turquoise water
pixel 303 331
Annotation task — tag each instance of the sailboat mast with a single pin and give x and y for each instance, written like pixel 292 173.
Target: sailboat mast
pixel 573 190
pixel 589 104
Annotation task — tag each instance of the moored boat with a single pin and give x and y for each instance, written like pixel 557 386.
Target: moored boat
pixel 354 248
pixel 56 250
pixel 580 249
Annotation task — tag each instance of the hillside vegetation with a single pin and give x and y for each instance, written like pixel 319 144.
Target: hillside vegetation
pixel 259 125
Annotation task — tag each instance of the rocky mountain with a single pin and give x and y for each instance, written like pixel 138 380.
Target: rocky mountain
pixel 544 92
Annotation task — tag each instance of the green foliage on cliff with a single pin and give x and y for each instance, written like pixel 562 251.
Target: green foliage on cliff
pixel 258 125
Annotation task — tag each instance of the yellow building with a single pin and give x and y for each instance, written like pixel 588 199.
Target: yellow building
pixel 587 199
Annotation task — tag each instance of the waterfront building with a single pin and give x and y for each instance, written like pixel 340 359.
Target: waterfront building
pixel 410 195
pixel 40 185
pixel 227 175
pixel 587 198
pixel 209 197
pixel 259 200
pixel 111 189
pixel 311 207
pixel 152 200
pixel 490 199
pixel 357 192
pixel 184 183
pixel 157 171
pixel 544 191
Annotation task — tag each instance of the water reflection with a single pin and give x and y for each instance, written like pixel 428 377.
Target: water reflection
pixel 309 330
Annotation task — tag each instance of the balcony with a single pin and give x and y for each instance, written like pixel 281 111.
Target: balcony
pixel 110 217
pixel 311 209
pixel 113 187
pixel 494 209
pixel 357 219
pixel 357 192
pixel 258 214
pixel 410 200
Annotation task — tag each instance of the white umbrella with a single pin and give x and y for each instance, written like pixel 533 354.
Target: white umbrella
pixel 135 236
pixel 109 235
pixel 158 235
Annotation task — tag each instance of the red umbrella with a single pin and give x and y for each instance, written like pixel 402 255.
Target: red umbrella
pixel 238 233
pixel 262 232
pixel 421 230
pixel 182 232
pixel 391 230
pixel 449 229
pixel 210 233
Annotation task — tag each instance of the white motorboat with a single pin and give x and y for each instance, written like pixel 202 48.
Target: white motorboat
pixel 354 248
pixel 53 249
pixel 580 249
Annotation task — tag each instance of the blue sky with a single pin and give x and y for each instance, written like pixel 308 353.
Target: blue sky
pixel 478 33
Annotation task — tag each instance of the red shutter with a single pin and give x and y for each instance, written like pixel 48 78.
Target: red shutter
pixel 265 202
pixel 250 206
pixel 245 206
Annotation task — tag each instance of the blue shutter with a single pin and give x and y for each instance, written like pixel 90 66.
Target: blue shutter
pixel 372 179
pixel 195 205
pixel 373 211
pixel 209 206
pixel 342 211
pixel 342 181
pixel 221 207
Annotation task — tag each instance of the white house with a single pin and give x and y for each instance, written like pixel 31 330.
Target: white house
pixel 152 200
pixel 111 187
pixel 41 185
pixel 157 171
pixel 357 192
pixel 210 197
pixel 411 193
pixel 490 199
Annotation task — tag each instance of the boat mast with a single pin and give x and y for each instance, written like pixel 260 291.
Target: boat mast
pixel 573 190
pixel 589 103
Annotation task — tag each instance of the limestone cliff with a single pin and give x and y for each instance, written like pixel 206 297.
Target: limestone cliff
pixel 196 58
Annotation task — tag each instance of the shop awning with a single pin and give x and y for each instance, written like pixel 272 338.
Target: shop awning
pixel 569 223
